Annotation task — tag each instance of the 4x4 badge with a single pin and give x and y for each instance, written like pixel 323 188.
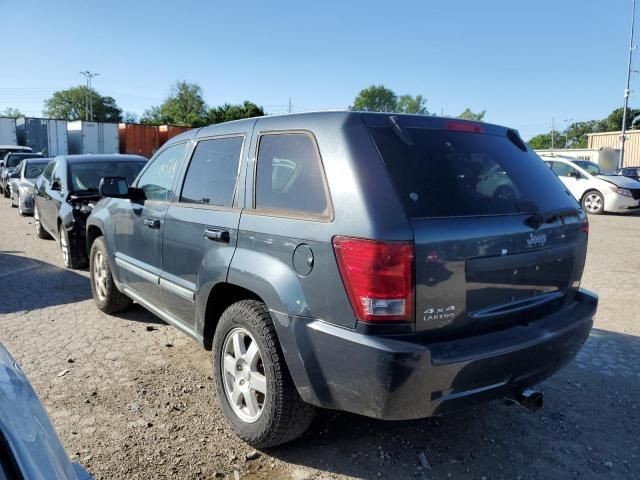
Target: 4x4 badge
pixel 439 313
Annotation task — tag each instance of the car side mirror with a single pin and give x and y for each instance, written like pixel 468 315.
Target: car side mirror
pixel 55 185
pixel 14 175
pixel 1 164
pixel 118 187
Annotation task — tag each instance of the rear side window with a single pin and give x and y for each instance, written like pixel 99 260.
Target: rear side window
pixel 211 177
pixel 289 175
pixel 442 173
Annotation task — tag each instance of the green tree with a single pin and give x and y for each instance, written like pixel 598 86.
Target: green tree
pixel 227 112
pixel 129 117
pixel 544 140
pixel 614 121
pixel 576 133
pixel 11 113
pixel 376 98
pixel 70 104
pixel 185 107
pixel 469 115
pixel 411 104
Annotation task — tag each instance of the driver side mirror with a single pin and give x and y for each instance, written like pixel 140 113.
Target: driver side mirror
pixel 14 175
pixel 118 187
pixel 55 185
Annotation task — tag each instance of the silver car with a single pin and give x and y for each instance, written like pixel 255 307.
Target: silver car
pixel 29 444
pixel 21 183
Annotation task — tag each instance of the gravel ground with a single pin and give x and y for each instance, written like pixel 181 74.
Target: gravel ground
pixel 136 399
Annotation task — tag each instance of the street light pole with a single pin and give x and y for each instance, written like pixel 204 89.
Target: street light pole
pixel 626 90
pixel 88 105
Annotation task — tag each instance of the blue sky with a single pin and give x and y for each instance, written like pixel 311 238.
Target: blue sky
pixel 524 62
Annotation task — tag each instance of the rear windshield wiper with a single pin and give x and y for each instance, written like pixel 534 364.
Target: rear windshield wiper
pixel 399 131
pixel 540 218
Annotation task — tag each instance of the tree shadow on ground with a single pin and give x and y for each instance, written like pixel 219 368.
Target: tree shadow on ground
pixel 22 281
pixel 590 418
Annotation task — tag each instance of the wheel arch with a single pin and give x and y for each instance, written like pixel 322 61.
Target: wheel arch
pixel 221 297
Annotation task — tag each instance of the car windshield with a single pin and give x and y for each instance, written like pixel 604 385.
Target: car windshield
pixel 440 173
pixel 34 169
pixel 15 158
pixel 86 176
pixel 590 167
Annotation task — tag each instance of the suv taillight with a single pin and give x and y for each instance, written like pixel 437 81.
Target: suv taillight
pixel 378 277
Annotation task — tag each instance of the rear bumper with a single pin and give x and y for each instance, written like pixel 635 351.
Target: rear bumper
pixel 394 379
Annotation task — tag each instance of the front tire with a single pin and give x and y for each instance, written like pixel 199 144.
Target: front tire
pixel 68 258
pixel 593 202
pixel 254 387
pixel 105 293
pixel 13 205
pixel 40 231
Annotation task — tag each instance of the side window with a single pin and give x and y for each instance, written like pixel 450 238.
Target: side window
pixel 289 175
pixel 48 170
pixel 157 180
pixel 563 170
pixel 57 172
pixel 211 177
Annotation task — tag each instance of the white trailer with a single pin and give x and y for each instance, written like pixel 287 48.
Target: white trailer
pixel 45 135
pixel 8 131
pixel 92 137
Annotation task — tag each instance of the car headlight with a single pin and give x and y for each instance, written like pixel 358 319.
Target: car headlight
pixel 622 191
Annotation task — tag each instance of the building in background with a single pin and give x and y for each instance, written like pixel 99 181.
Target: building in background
pixel 611 140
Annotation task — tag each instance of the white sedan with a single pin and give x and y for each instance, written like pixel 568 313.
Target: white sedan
pixel 596 192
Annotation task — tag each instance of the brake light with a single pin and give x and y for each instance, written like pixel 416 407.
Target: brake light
pixel 378 277
pixel 464 127
pixel 585 226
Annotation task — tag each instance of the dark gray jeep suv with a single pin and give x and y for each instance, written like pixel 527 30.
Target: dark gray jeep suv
pixel 394 266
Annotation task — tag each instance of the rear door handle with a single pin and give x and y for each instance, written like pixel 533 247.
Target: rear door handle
pixel 217 235
pixel 152 223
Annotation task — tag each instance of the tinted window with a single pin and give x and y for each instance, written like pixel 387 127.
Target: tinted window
pixel 47 171
pixel 441 173
pixel 33 170
pixel 212 173
pixel 289 175
pixel 86 176
pixel 157 180
pixel 590 167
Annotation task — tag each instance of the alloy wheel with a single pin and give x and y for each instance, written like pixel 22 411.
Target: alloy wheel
pixel 593 202
pixel 100 275
pixel 64 247
pixel 36 219
pixel 245 383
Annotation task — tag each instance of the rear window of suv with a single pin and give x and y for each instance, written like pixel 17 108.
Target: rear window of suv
pixel 442 173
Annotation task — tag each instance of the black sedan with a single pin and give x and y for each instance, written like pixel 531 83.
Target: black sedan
pixel 631 172
pixel 66 192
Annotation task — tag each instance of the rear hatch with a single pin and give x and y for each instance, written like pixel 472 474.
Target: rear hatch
pixel 498 239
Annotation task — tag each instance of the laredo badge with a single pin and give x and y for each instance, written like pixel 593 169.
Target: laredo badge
pixel 439 313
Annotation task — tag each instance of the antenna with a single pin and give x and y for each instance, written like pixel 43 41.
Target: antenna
pixel 626 90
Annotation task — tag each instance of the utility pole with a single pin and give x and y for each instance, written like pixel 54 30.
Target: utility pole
pixel 290 108
pixel 88 104
pixel 553 128
pixel 626 90
pixel 566 132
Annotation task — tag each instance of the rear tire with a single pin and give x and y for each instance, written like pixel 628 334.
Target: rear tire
pixel 282 415
pixel 20 210
pixel 105 293
pixel 593 202
pixel 40 232
pixel 5 192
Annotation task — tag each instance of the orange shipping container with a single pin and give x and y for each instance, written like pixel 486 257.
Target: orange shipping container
pixel 170 131
pixel 138 139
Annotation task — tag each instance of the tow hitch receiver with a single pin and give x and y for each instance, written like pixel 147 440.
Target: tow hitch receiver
pixel 528 398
